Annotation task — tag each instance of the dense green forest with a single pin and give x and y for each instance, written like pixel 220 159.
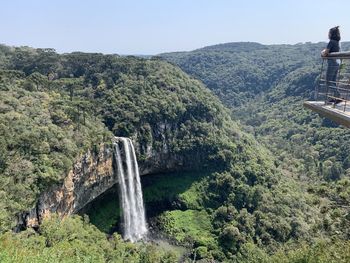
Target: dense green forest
pixel 55 107
pixel 275 80
pixel 267 183
pixel 236 72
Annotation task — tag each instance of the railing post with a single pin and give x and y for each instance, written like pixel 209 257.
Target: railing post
pixel 346 99
pixel 319 83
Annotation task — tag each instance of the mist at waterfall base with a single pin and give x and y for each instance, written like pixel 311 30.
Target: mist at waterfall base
pixel 134 227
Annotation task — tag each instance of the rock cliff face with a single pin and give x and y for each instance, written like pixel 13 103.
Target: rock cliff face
pixel 155 152
pixel 92 174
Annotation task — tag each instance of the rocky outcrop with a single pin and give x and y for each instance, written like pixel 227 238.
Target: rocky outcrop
pixel 156 153
pixel 92 175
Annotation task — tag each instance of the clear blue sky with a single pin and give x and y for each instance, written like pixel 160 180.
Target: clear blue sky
pixel 155 26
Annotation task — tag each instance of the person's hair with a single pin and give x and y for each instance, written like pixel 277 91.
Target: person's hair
pixel 334 33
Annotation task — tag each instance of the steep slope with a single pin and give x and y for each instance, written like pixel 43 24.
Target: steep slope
pixel 265 87
pixel 40 138
pixel 275 113
pixel 49 121
pixel 236 72
pixel 309 147
pixel 177 124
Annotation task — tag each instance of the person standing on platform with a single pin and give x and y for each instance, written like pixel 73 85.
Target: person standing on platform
pixel 333 64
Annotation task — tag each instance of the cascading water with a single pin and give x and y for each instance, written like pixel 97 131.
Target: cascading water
pixel 134 222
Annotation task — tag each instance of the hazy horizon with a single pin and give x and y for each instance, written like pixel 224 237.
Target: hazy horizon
pixel 149 55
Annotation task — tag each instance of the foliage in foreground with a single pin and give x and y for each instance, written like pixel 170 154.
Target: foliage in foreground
pixel 75 240
pixel 320 252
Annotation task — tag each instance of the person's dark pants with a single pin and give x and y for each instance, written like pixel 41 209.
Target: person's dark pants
pixel 331 77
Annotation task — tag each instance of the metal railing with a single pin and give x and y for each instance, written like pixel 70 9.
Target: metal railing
pixel 334 82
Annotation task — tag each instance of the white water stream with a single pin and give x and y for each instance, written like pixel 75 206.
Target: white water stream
pixel 134 221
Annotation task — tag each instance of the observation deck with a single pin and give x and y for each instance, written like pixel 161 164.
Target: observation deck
pixel 332 98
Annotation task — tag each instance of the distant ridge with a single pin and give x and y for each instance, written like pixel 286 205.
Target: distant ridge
pixel 234 46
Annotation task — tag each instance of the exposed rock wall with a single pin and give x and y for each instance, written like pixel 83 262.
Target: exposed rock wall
pixel 92 174
pixel 157 155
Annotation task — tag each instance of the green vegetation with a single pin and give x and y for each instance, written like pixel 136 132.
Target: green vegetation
pixel 174 187
pixel 55 107
pixel 41 136
pixel 321 252
pixel 187 227
pixel 276 192
pixel 104 212
pixel 150 100
pixel 237 72
pixel 265 87
pixel 75 240
pixel 161 192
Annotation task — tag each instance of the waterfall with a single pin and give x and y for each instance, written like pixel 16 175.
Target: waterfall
pixel 134 222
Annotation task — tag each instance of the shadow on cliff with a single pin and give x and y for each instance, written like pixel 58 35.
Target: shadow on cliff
pixel 164 191
pixel 161 192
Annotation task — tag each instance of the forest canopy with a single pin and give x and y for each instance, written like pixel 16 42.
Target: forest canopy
pixel 270 179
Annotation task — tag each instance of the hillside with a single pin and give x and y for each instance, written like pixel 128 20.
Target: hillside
pixel 265 86
pixel 220 192
pixel 238 72
pixel 271 108
pixel 55 107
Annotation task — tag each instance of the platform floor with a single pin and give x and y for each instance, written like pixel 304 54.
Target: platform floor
pixel 339 113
